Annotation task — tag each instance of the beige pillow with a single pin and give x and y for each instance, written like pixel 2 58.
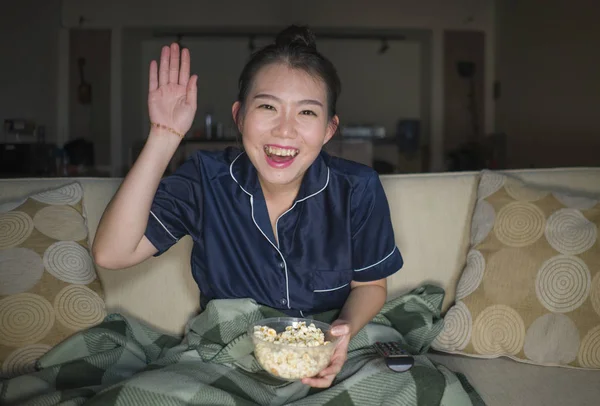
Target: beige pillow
pixel 48 283
pixel 530 289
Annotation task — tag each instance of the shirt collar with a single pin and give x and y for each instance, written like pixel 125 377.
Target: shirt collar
pixel 314 182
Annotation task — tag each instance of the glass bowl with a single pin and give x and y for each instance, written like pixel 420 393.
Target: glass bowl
pixel 291 361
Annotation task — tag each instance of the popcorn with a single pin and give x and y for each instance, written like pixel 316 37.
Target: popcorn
pixel 302 352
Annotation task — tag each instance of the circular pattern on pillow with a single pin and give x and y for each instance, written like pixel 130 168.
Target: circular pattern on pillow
pixel 552 339
pixel 70 262
pixel 483 222
pixel 15 228
pixel 521 191
pixel 20 270
pixel 471 276
pixel 60 223
pixel 589 352
pixel 69 194
pixel 595 293
pixel 526 285
pixel 498 330
pixel 458 325
pixel 489 184
pixel 519 224
pixel 78 307
pixel 25 318
pixel 575 202
pixel 563 283
pixel 569 232
pixel 22 360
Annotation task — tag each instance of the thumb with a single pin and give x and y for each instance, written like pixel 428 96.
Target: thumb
pixel 340 330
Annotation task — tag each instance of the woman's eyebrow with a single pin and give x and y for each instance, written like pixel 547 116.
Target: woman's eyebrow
pixel 304 101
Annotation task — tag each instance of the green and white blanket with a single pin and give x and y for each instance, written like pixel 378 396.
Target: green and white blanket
pixel 124 362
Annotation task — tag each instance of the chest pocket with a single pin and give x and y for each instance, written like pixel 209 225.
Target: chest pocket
pixel 330 289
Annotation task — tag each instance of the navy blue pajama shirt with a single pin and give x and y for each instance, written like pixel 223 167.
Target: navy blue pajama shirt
pixel 338 230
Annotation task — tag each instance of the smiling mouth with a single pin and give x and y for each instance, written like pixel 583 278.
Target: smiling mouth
pixel 276 152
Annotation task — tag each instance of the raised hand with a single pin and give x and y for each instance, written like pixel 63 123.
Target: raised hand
pixel 173 94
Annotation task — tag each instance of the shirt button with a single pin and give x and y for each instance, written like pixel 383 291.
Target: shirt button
pixel 282 265
pixel 283 302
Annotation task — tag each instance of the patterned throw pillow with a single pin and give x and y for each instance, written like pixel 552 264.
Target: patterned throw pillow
pixel 530 289
pixel 49 288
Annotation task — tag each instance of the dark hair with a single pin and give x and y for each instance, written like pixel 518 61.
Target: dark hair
pixel 296 47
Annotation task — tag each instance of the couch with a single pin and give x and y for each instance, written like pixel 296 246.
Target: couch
pixel 431 215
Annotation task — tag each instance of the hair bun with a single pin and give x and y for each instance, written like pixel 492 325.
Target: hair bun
pixel 295 35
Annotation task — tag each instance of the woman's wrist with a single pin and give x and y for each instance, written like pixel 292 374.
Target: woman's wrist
pixel 164 136
pixel 163 142
pixel 363 303
pixel 165 128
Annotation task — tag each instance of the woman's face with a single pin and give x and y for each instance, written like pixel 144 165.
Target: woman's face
pixel 284 123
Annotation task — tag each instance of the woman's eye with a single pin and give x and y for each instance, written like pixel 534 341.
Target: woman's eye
pixel 266 106
pixel 308 113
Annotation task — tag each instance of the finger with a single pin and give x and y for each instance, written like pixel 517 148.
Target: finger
pixel 340 330
pixel 174 64
pixel 163 70
pixel 184 71
pixel 332 369
pixel 318 382
pixel 191 97
pixel 153 79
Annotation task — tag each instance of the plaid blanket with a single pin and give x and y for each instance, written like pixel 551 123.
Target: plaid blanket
pixel 124 362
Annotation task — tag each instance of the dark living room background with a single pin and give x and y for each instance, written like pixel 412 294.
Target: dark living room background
pixel 428 86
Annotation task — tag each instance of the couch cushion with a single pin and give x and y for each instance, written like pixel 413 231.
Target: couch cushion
pixel 159 291
pixel 49 288
pixel 431 214
pixel 531 285
pixel 97 193
pixel 502 382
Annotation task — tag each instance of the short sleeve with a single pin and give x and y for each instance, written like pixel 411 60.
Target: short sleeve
pixel 176 209
pixel 374 252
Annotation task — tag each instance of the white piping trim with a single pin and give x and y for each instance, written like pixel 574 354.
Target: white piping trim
pixel 163 226
pixel 302 314
pixel 294 205
pixel 329 290
pixel 287 287
pixel 376 263
pixel 317 192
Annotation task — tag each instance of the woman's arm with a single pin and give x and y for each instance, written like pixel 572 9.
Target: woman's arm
pixel 366 299
pixel 120 240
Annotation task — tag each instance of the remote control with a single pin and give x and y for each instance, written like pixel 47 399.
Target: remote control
pixel 396 358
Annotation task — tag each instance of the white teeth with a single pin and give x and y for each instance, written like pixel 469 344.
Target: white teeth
pixel 280 151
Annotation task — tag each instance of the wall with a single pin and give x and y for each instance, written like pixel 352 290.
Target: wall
pixel 455 14
pixel 460 114
pixel 432 15
pixel 91 121
pixel 549 67
pixel 391 91
pixel 28 73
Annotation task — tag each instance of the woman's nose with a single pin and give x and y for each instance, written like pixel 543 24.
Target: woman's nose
pixel 286 127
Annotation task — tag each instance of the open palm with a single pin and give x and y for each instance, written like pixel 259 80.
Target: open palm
pixel 173 94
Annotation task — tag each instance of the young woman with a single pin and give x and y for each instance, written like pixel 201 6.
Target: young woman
pixel 281 222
